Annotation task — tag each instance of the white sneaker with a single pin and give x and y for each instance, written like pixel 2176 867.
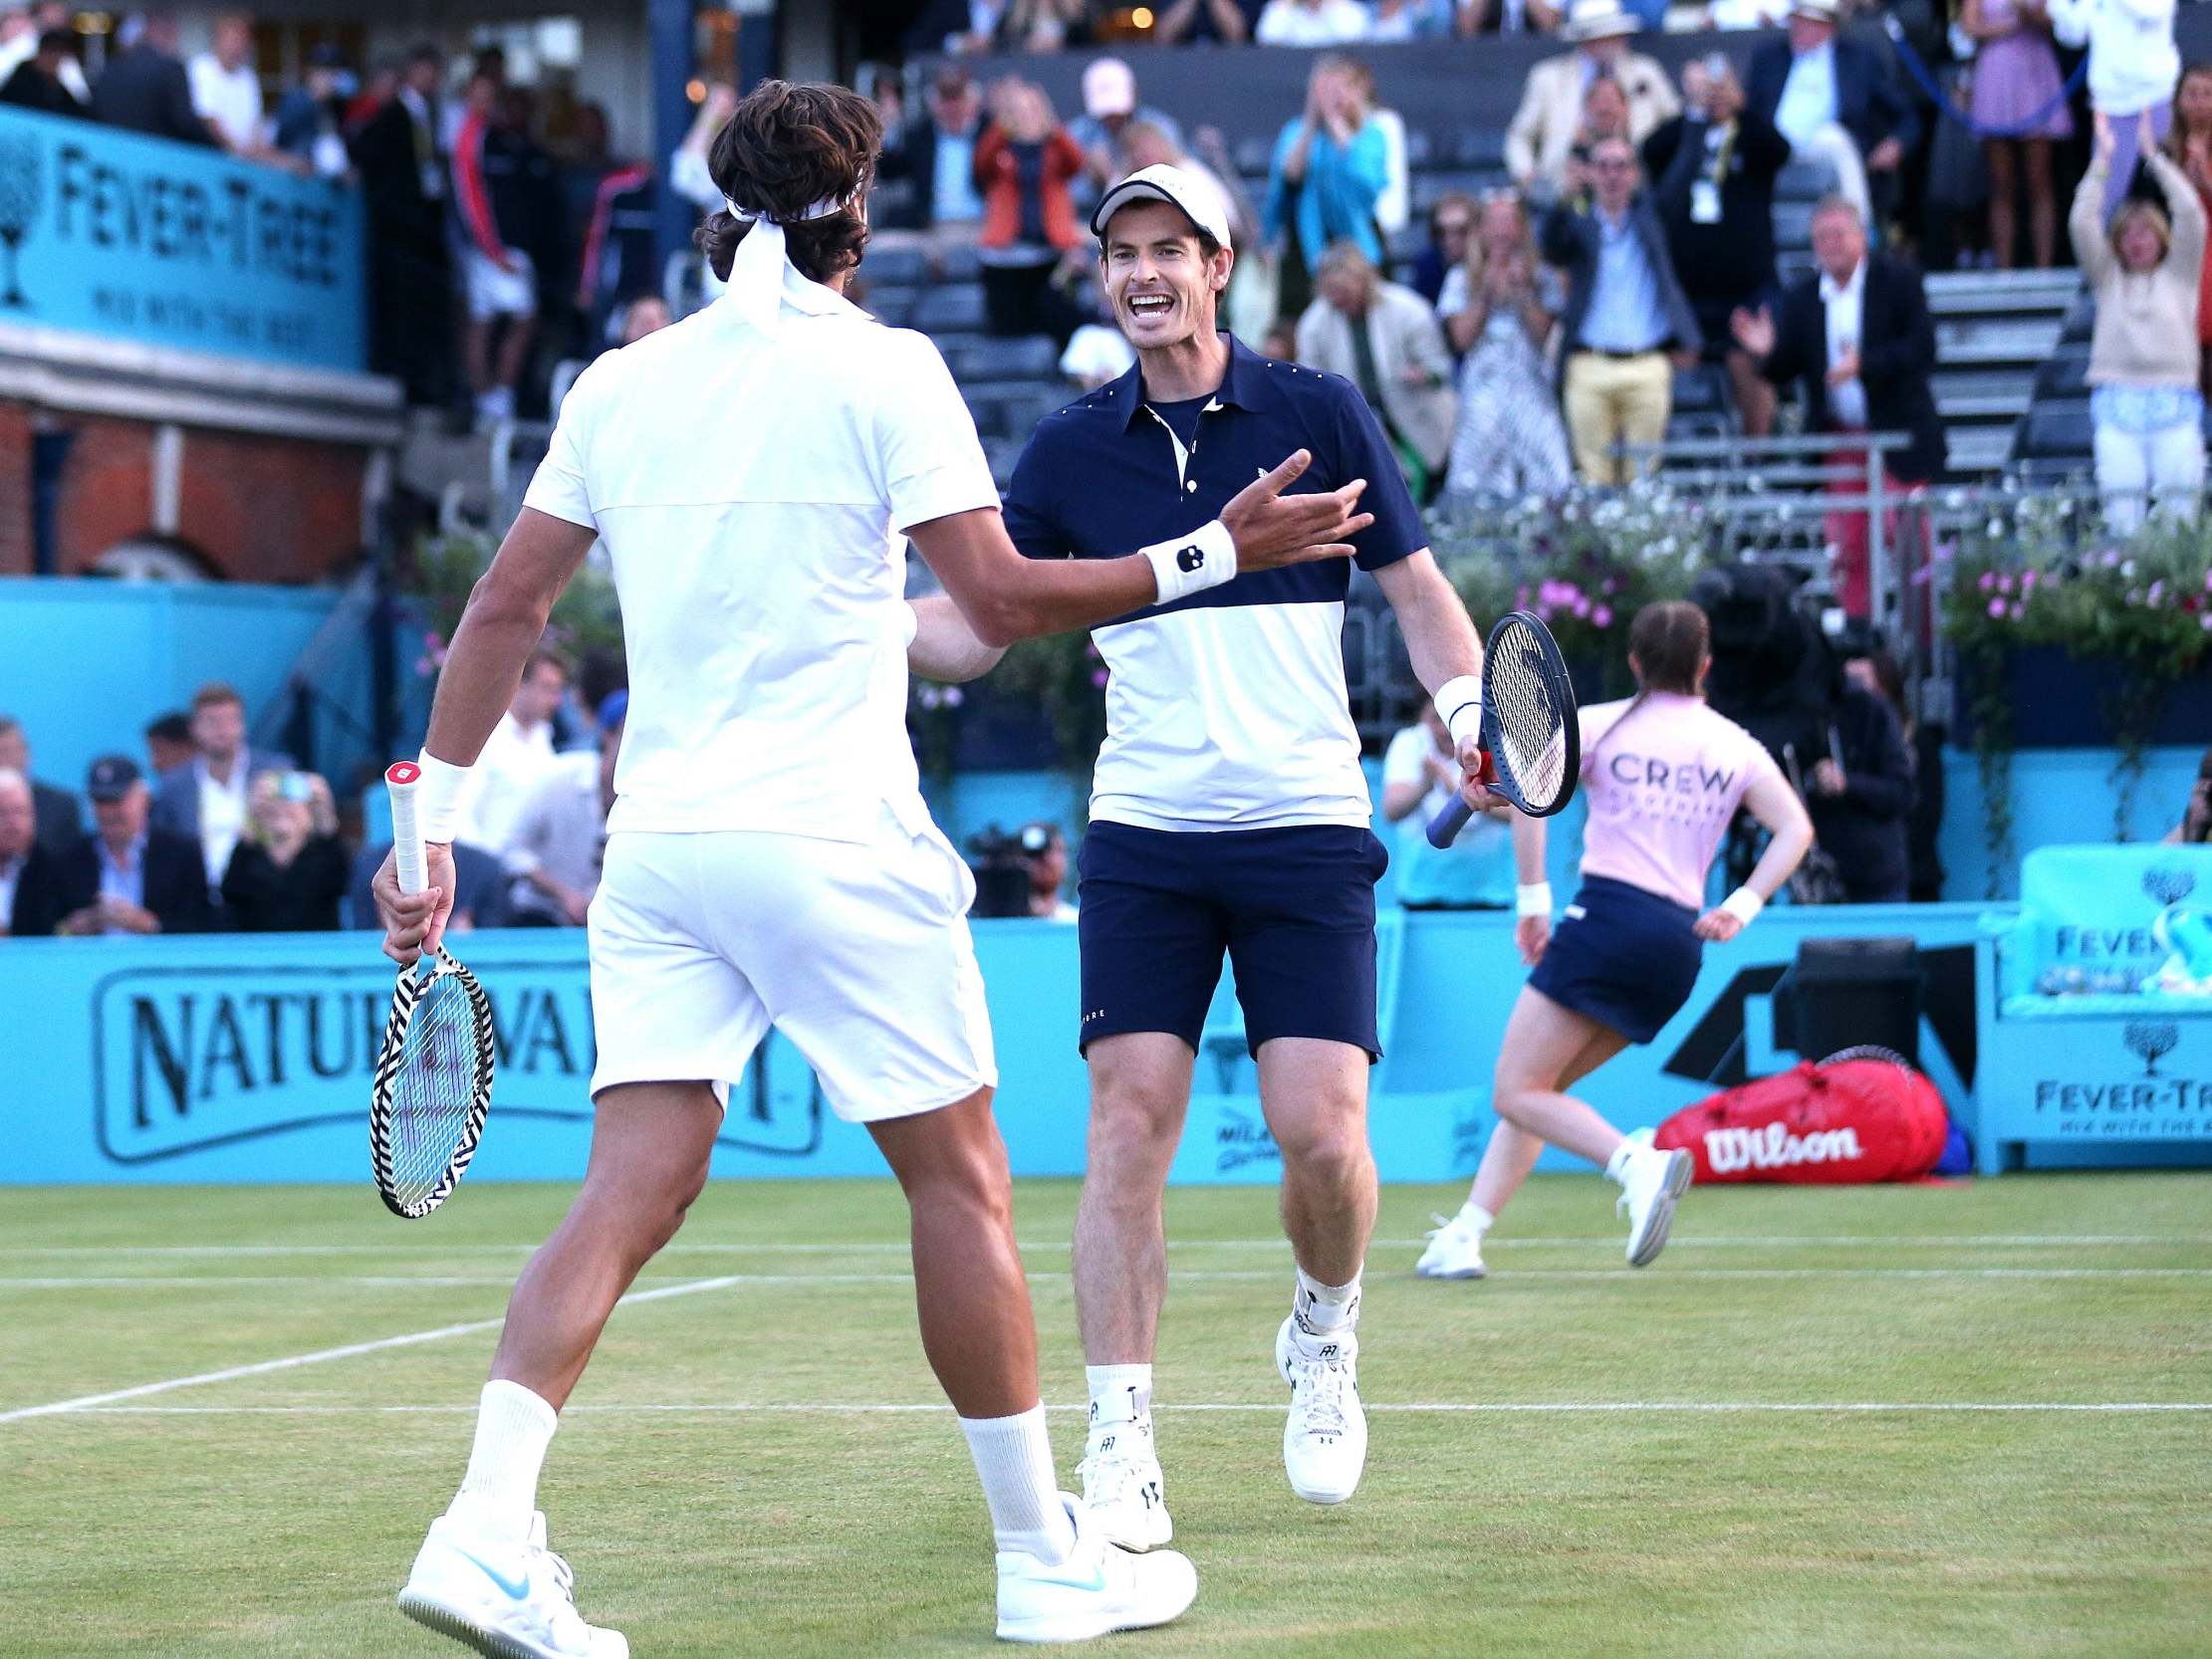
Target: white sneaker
pixel 1097 1590
pixel 1121 1487
pixel 1650 1186
pixel 1325 1442
pixel 1454 1250
pixel 505 1599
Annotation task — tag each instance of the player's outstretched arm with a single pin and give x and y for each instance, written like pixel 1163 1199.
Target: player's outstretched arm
pixel 1447 655
pixel 1006 598
pixel 945 649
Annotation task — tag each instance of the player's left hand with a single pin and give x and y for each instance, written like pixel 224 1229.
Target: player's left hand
pixel 415 922
pixel 1531 934
pixel 1718 926
pixel 1474 786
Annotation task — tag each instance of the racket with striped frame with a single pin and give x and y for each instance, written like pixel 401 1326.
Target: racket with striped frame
pixel 433 1080
pixel 1531 741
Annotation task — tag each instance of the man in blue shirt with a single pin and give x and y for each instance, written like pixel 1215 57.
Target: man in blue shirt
pixel 1228 813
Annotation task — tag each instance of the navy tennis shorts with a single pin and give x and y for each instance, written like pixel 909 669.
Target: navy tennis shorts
pixel 1625 957
pixel 1294 908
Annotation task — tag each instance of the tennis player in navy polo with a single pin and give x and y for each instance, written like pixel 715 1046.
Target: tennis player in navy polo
pixel 1229 813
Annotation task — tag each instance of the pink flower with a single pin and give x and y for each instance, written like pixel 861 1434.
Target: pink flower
pixel 1987 582
pixel 1997 609
pixel 1602 616
pixel 1099 678
pixel 1579 605
pixel 2026 581
pixel 2004 584
pixel 954 697
pixel 2018 610
pixel 2205 621
pixel 2158 592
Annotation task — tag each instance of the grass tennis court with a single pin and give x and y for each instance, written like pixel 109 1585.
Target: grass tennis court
pixel 1826 1423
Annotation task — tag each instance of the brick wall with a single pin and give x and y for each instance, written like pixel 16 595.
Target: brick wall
pixel 255 508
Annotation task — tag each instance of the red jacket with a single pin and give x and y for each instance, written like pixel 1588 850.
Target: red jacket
pixel 998 177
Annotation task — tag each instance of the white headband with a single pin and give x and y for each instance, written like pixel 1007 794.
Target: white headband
pixel 756 268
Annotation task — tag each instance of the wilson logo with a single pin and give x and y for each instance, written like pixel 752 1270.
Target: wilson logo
pixel 1774 1147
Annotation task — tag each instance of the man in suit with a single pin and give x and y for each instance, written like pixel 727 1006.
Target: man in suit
pixel 127 876
pixel 147 90
pixel 30 882
pixel 37 83
pixel 1627 320
pixel 1856 335
pixel 208 800
pixel 1542 136
pixel 1835 100
pixel 1385 341
pixel 404 182
pixel 61 821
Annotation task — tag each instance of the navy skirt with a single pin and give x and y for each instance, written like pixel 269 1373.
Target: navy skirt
pixel 1623 956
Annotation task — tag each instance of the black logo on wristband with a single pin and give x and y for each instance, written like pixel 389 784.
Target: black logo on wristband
pixel 1190 560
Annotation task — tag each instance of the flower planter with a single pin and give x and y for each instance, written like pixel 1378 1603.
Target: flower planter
pixel 2057 701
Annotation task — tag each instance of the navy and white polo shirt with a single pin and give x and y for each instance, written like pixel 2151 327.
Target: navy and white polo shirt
pixel 1228 709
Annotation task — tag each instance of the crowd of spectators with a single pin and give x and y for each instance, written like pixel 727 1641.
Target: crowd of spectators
pixel 503 235
pixel 212 835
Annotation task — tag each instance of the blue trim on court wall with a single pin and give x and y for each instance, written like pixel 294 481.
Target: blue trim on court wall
pixel 246 1059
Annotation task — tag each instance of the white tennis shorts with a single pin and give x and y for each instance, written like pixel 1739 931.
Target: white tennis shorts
pixel 496 293
pixel 858 953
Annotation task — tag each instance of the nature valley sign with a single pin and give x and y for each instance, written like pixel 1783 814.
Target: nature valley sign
pixel 113 233
pixel 184 1059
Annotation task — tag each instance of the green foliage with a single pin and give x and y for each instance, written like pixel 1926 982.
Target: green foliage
pixel 2035 575
pixel 587 619
pixel 1586 564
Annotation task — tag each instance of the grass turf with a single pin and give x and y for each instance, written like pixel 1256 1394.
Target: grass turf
pixel 274 1515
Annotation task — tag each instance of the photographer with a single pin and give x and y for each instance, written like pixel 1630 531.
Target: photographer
pixel 2195 827
pixel 1714 168
pixel 289 869
pixel 1045 852
pixel 1020 874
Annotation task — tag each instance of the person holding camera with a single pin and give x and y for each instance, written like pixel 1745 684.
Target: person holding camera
pixel 1044 856
pixel 1714 167
pixel 289 869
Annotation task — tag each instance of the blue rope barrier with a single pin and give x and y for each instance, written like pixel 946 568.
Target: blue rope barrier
pixel 1942 99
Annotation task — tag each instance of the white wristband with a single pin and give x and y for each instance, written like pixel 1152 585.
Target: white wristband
pixel 1204 558
pixel 439 799
pixel 1533 898
pixel 1744 905
pixel 1459 705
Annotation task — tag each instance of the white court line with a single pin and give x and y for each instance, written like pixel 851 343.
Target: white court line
pixel 1270 1408
pixel 263 1367
pixel 1178 1275
pixel 1724 1241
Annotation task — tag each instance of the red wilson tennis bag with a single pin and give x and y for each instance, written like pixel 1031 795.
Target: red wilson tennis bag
pixel 1851 1118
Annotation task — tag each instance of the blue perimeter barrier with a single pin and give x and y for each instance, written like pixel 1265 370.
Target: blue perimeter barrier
pixel 246 1059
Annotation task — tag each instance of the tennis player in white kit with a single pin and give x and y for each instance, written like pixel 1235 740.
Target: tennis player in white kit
pixel 771 861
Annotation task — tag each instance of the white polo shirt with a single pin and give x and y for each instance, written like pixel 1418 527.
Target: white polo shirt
pixel 752 493
pixel 231 97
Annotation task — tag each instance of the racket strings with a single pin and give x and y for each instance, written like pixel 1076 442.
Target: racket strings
pixel 1529 723
pixel 443 1072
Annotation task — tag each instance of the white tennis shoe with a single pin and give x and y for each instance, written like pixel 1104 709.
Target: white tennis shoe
pixel 1122 1489
pixel 1651 1184
pixel 506 1599
pixel 1097 1590
pixel 1454 1250
pixel 1325 1442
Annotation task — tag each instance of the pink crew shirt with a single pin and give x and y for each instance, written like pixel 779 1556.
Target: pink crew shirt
pixel 1662 782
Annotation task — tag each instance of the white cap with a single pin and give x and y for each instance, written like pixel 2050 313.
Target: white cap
pixel 1599 19
pixel 1198 196
pixel 1108 89
pixel 1821 11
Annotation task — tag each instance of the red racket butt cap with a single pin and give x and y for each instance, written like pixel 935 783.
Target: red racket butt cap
pixel 402 772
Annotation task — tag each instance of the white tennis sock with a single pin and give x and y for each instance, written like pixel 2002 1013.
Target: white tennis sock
pixel 1478 1217
pixel 1617 1166
pixel 513 1429
pixel 1014 1458
pixel 1119 1394
pixel 1323 1307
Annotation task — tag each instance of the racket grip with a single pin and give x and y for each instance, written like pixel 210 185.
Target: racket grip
pixel 402 781
pixel 1445 826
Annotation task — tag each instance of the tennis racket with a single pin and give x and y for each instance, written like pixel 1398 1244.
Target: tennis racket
pixel 1532 742
pixel 433 1080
